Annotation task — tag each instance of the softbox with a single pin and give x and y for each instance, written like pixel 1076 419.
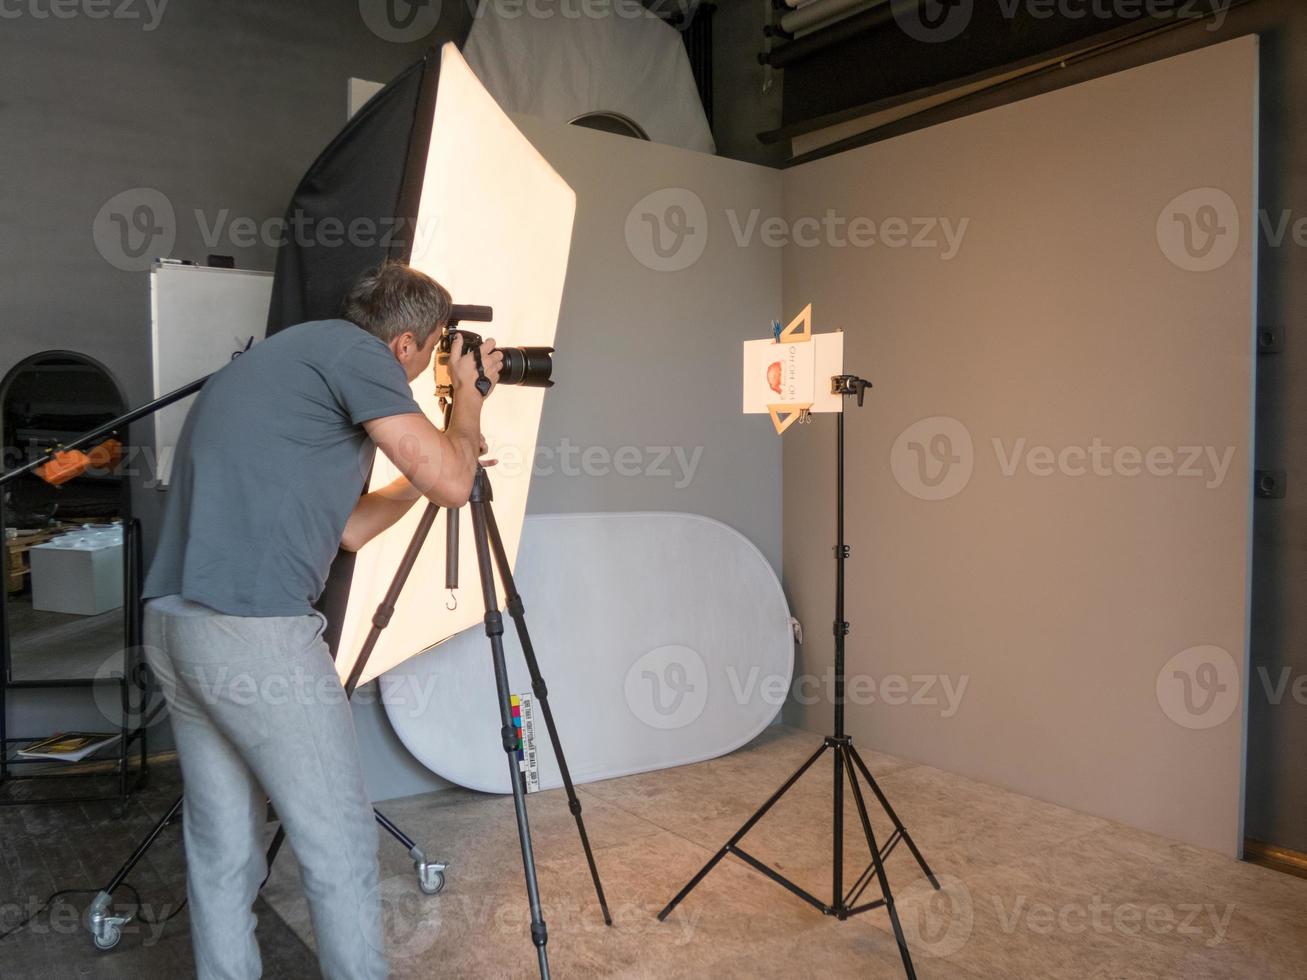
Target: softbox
pixel 449 184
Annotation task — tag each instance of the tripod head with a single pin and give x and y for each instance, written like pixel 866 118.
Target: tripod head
pixel 848 384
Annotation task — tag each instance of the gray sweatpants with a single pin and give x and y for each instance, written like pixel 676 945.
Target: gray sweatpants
pixel 259 714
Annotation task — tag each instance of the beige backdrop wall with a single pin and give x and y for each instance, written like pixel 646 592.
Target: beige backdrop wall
pixel 1048 590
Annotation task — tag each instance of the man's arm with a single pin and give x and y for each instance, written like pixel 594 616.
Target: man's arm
pixel 438 465
pixel 434 464
pixel 377 511
pixel 381 509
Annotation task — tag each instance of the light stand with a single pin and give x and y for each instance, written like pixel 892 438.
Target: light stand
pixel 848 765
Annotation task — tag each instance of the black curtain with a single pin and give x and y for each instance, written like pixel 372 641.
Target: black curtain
pixel 369 178
pixel 368 181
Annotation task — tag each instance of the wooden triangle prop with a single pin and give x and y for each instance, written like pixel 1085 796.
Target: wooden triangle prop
pixel 784 416
pixel 800 327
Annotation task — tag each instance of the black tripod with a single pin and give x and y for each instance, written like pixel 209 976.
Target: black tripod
pixel 488 544
pixel 848 764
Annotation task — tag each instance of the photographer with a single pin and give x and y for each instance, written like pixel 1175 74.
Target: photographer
pixel 266 488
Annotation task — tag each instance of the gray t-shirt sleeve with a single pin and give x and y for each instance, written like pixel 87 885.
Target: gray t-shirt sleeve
pixel 369 383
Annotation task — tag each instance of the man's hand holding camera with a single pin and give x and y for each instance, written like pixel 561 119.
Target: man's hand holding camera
pixel 463 375
pixel 463 370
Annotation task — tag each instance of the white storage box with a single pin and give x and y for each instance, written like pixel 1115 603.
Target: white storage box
pixel 80 572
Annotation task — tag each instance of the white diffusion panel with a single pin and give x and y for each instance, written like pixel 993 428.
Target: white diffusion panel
pixel 665 639
pixel 494 226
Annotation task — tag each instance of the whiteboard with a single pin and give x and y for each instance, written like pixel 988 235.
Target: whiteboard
pixel 199 318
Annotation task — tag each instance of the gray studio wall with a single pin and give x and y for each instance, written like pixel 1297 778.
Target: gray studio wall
pixel 221 106
pixel 1063 600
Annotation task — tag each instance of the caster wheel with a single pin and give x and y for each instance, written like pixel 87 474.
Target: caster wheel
pixel 108 938
pixel 431 881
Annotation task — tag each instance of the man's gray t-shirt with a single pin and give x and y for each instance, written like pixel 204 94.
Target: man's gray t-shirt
pixel 270 463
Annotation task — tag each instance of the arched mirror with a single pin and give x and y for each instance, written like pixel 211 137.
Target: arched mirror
pixel 63 560
pixel 610 122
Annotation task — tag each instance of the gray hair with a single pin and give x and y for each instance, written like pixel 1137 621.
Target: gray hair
pixel 395 298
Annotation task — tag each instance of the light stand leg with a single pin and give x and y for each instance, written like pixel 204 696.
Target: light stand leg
pixel 730 846
pixel 899 829
pixel 878 862
pixel 516 609
pixel 495 633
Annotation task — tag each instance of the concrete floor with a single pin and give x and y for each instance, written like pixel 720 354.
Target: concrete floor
pixel 80 846
pixel 1031 890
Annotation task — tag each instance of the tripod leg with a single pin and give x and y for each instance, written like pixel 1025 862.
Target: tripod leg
pixel 894 817
pixel 495 632
pixel 739 834
pixel 517 611
pixel 880 872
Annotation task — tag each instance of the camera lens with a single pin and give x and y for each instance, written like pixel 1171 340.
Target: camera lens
pixel 529 367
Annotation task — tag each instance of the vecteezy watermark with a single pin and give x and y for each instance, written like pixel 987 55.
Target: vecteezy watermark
pixel 935 922
pixel 136 226
pixel 307 231
pixel 472 912
pixel 148 12
pixel 1199 230
pixel 668 230
pixel 1205 923
pixel 933 21
pixel 940 21
pixel 942 693
pixel 934 459
pixel 833 230
pixel 1283 227
pixel 1199 687
pixel 410 922
pixel 1205 463
pixel 152 685
pixel 677 463
pixel 400 21
pixel 133 227
pixel 1284 684
pixel 60 917
pixel 667 687
pixel 405 21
